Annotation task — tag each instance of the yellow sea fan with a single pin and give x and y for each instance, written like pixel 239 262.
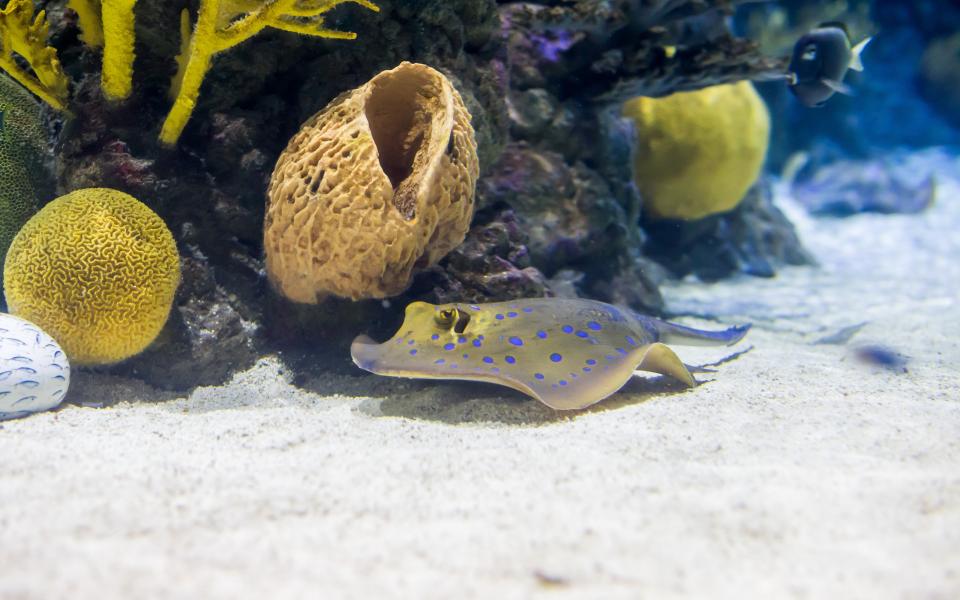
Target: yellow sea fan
pixel 222 24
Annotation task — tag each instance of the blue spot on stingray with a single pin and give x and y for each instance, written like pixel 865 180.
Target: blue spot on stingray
pixel 474 307
pixel 538 375
pixel 466 356
pixel 556 357
pixel 594 326
pixel 562 382
pixel 499 317
pixel 449 346
pixel 488 360
pixel 631 341
pixel 582 334
pixel 586 369
pixel 494 369
pixel 622 351
pixel 439 361
pixel 477 343
pixel 516 341
pixel 528 309
pixel 510 359
pixel 608 357
pixel 511 314
pixel 461 339
pixel 542 334
pixel 567 329
pixel 410 343
pixel 590 361
pixel 453 365
pixel 435 337
pixel 412 352
pixel 480 337
pixel 573 375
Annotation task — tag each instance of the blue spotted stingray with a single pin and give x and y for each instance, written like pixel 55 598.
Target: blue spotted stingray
pixel 566 353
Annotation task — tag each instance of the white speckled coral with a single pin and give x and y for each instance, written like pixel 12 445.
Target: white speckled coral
pixel 34 371
pixel 378 183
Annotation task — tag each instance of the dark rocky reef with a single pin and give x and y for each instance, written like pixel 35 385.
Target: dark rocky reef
pixel 754 238
pixel 558 212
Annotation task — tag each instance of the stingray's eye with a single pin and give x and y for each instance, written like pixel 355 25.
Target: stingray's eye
pixel 446 318
pixel 810 52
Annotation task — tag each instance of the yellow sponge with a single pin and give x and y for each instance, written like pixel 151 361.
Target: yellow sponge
pixel 97 270
pixel 698 152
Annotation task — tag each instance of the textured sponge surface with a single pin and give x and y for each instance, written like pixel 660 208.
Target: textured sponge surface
pixel 97 270
pixel 699 152
pixel 379 183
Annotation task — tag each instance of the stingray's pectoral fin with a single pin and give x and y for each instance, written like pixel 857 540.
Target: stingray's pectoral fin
pixel 659 358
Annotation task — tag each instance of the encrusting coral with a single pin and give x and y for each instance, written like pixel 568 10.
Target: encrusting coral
pixel 378 183
pixel 24 34
pixel 22 155
pixel 222 24
pixel 97 270
pixel 698 152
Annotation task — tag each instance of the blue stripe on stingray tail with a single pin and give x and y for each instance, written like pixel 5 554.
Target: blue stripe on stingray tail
pixel 671 333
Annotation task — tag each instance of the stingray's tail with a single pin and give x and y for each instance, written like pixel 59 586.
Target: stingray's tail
pixel 671 333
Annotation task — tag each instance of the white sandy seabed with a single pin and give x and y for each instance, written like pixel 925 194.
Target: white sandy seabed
pixel 796 471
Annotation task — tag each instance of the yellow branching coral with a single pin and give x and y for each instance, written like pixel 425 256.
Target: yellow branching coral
pixel 110 23
pixel 90 25
pixel 24 34
pixel 222 24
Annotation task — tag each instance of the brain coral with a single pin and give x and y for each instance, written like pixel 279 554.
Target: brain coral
pixel 378 183
pixel 22 154
pixel 97 270
pixel 698 152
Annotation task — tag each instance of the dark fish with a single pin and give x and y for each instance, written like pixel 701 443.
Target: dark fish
pixel 821 59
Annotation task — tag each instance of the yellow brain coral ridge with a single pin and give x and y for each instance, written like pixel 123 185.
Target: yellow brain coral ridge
pixel 378 183
pixel 698 152
pixel 26 35
pixel 97 270
pixel 222 24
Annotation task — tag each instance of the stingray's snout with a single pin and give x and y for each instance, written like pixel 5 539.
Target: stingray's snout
pixel 363 350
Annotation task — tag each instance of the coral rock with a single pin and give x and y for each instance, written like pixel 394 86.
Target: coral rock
pixel 699 152
pixel 378 183
pixel 23 157
pixel 97 270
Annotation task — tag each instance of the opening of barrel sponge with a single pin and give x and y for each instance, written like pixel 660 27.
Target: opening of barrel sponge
pixel 97 270
pixel 378 184
pixel 698 152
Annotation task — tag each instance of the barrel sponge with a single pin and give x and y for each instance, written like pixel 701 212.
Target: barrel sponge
pixel 23 152
pixel 97 270
pixel 375 185
pixel 698 152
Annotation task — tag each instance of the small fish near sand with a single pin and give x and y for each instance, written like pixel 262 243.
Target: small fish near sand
pixel 566 353
pixel 821 59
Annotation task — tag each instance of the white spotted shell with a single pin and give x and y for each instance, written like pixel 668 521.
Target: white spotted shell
pixel 34 371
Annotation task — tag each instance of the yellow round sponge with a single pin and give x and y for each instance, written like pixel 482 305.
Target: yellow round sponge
pixel 698 152
pixel 97 270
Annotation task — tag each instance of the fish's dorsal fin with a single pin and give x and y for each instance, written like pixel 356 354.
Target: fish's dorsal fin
pixel 659 358
pixel 856 63
pixel 838 86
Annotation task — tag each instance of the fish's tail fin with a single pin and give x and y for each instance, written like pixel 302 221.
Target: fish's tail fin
pixel 856 63
pixel 671 333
